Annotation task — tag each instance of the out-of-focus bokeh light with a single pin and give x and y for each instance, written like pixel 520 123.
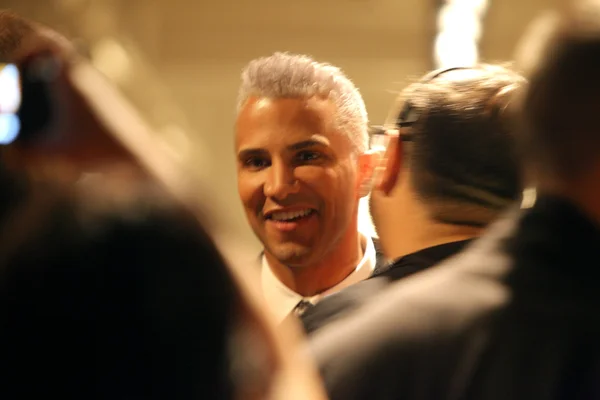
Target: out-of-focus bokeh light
pixel 459 26
pixel 10 101
pixel 10 90
pixel 9 128
pixel 109 56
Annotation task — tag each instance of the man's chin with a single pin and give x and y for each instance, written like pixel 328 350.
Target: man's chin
pixel 291 255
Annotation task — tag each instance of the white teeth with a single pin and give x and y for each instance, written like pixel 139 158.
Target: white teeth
pixel 286 216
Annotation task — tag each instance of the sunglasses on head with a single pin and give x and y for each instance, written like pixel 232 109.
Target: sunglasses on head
pixel 409 115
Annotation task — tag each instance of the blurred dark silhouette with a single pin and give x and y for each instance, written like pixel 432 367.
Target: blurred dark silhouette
pixel 107 301
pixel 110 285
pixel 514 316
pixel 450 169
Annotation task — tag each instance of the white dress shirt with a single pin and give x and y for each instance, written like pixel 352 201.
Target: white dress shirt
pixel 282 300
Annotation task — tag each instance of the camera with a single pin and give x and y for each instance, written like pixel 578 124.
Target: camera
pixel 25 98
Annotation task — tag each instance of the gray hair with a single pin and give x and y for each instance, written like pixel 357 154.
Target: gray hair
pixel 290 75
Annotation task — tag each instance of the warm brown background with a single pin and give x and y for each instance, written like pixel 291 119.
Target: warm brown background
pixel 181 58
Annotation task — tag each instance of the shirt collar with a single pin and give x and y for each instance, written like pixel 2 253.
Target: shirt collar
pixel 282 300
pixel 429 256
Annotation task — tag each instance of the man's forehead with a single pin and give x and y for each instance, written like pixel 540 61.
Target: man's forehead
pixel 287 113
pixel 280 140
pixel 285 120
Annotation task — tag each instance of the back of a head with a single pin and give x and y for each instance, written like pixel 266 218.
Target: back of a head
pixel 561 54
pixel 115 304
pixel 285 75
pixel 462 155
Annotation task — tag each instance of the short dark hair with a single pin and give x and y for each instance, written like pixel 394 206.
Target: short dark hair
pixel 463 157
pixel 561 105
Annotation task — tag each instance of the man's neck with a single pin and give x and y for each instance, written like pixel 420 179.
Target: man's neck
pixel 324 274
pixel 434 235
pixel 413 230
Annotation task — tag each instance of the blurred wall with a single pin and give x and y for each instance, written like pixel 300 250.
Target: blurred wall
pixel 190 54
pixel 208 45
pixel 505 22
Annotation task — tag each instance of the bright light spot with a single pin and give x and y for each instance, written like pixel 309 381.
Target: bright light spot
pixel 478 6
pixel 365 223
pixel 112 60
pixel 455 21
pixel 9 128
pixel 10 89
pixel 529 197
pixel 455 51
pixel 459 29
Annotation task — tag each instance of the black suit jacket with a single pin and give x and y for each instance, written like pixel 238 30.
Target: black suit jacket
pixel 515 316
pixel 342 303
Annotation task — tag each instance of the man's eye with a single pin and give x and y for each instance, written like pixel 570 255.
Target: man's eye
pixel 256 163
pixel 304 156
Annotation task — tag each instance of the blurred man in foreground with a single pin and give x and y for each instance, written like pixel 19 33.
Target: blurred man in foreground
pixel 516 315
pixel 106 295
pixel 303 165
pixel 450 169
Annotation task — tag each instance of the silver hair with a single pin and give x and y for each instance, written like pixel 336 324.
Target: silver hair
pixel 292 75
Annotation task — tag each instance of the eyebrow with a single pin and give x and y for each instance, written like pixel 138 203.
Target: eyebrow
pixel 307 143
pixel 296 146
pixel 251 152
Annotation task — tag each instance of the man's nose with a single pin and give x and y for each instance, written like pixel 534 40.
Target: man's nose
pixel 281 181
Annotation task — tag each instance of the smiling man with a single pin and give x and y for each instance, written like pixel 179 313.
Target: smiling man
pixel 303 165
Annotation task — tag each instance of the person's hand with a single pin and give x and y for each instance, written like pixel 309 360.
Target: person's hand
pixel 21 38
pixel 81 135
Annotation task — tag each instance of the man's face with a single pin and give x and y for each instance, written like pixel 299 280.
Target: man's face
pixel 297 177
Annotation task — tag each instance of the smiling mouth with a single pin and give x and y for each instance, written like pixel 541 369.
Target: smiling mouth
pixel 289 216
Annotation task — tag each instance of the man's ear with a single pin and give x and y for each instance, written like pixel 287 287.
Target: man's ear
pixel 390 165
pixel 366 166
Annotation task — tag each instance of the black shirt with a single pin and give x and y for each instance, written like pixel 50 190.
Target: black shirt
pixel 514 316
pixel 341 303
